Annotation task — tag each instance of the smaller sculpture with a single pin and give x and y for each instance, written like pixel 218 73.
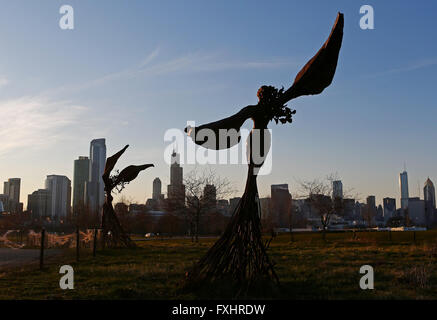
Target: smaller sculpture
pixel 113 233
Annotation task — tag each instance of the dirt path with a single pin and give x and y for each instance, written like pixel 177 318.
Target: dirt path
pixel 19 257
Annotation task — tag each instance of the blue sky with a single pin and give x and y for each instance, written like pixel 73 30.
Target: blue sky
pixel 130 70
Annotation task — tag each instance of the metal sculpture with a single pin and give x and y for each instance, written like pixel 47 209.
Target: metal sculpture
pixel 113 233
pixel 240 254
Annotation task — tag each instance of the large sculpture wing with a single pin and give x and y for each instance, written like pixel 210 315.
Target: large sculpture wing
pixel 111 161
pixel 130 173
pixel 315 76
pixel 318 73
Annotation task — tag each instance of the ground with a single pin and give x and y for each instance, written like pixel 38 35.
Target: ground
pixel 308 268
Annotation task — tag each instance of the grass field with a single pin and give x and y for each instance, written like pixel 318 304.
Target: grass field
pixel 308 268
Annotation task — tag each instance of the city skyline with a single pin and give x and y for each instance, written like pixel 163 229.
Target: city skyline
pixel 178 176
pixel 52 115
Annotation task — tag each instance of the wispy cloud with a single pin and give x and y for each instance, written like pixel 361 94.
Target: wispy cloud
pixel 35 122
pixel 3 81
pixel 154 64
pixel 411 67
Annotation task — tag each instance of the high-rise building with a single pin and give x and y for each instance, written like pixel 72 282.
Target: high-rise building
pixel 4 199
pixel 389 207
pixel 429 198
pixel 233 203
pixel 94 187
pixel 337 189
pixel 265 207
pixel 156 194
pixel 11 188
pixel 403 184
pixel 429 193
pixel 60 193
pixel 39 203
pixel 416 211
pixel 81 177
pixel 210 196
pixel 176 188
pixel 280 205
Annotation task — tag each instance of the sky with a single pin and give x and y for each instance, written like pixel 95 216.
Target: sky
pixel 131 70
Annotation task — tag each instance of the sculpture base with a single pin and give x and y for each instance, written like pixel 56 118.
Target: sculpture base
pixel 113 235
pixel 240 254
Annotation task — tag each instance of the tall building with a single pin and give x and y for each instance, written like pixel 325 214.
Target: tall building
pixel 280 205
pixel 403 184
pixel 265 207
pixel 389 207
pixel 4 199
pixel 60 193
pixel 416 211
pixel 80 178
pixel 39 203
pixel 11 188
pixel 429 193
pixel 210 196
pixel 176 188
pixel 156 194
pixel 337 189
pixel 429 198
pixel 233 203
pixel 370 209
pixel 94 187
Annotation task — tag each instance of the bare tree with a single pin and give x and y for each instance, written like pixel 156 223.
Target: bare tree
pixel 319 194
pixel 202 190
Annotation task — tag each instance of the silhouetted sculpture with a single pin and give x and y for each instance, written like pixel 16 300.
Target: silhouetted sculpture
pixel 113 233
pixel 240 254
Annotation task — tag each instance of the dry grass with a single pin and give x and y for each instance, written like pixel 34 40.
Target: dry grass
pixel 308 268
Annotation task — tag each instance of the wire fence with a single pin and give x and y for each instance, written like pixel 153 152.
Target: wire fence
pixel 19 239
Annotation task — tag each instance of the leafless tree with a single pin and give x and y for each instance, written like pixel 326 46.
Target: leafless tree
pixel 319 194
pixel 202 190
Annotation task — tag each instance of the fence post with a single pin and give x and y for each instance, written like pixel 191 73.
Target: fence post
pixel 95 242
pixel 41 254
pixel 77 243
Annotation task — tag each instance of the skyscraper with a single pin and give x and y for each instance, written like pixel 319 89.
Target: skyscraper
pixel 176 188
pixel 95 188
pixel 429 197
pixel 210 196
pixel 4 199
pixel 156 195
pixel 81 177
pixel 337 189
pixel 11 188
pixel 60 193
pixel 280 205
pixel 39 203
pixel 429 193
pixel 403 184
pixel 389 206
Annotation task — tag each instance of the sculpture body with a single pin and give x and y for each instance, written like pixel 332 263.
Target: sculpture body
pixel 240 254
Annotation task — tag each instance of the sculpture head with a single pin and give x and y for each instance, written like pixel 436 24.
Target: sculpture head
pixel 267 94
pixel 269 98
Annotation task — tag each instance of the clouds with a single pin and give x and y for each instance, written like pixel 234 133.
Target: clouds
pixel 409 67
pixel 158 63
pixel 3 81
pixel 35 122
